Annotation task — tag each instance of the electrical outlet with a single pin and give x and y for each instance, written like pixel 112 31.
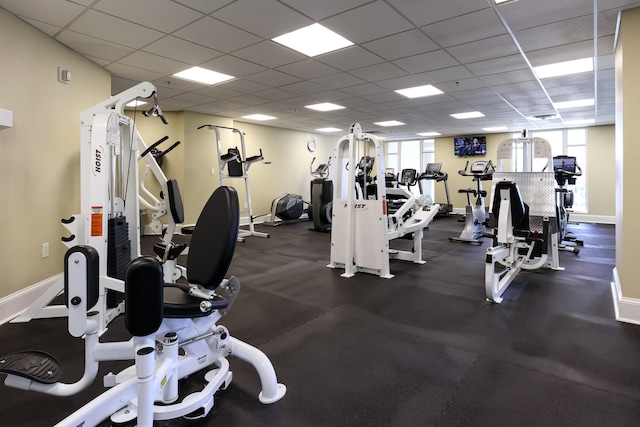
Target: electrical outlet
pixel 45 249
pixel 213 171
pixel 246 205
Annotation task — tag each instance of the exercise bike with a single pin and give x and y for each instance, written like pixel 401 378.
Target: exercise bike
pixel 566 170
pixel 321 189
pixel 475 218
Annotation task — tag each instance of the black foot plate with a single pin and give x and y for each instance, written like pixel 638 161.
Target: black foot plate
pixel 34 365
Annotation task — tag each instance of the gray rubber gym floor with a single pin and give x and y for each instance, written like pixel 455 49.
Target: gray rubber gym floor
pixel 421 349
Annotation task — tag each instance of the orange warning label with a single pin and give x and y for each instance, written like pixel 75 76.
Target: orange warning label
pixel 96 220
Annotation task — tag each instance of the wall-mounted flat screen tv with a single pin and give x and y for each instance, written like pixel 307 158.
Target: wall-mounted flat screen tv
pixel 470 146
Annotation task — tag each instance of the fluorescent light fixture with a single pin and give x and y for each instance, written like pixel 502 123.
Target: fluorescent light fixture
pixel 258 117
pixel 564 68
pixel 329 129
pixel 313 40
pixel 580 122
pixel 495 129
pixel 469 115
pixel 419 91
pixel 389 123
pixel 135 103
pixel 325 106
pixel 429 134
pixel 202 75
pixel 574 104
pixel 497 2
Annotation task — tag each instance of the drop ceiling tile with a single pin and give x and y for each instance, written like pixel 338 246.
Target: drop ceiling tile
pixel 466 28
pixel 526 14
pixel 375 27
pixel 408 43
pixel 250 100
pixel 269 54
pixel 182 50
pixel 308 69
pixel 482 50
pixel 272 78
pixel 516 76
pixel 57 12
pixel 233 66
pixel 318 10
pixel 456 86
pixel 427 12
pixel 497 65
pixel 88 45
pixel 445 75
pixel 149 61
pixel 339 80
pixel 204 6
pixel 219 91
pixel 377 72
pixel 265 18
pixel 363 90
pixel 560 53
pixel 349 58
pixel 304 88
pixel 435 60
pixel 174 84
pixel 275 94
pixel 401 82
pixel 556 34
pixel 132 73
pixel 115 30
pixel 48 29
pixel 216 35
pixel 161 15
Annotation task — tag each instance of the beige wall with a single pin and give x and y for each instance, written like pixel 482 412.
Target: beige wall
pixel 627 131
pixel 39 155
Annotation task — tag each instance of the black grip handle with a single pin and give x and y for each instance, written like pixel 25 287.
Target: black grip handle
pixel 154 145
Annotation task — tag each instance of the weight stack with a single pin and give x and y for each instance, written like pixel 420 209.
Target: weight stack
pixel 118 255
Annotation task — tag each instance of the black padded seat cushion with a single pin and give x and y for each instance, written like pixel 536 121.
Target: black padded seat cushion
pixel 214 239
pixel 519 211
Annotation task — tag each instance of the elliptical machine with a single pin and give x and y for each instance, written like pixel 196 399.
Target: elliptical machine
pixel 320 208
pixel 475 218
pixel 566 170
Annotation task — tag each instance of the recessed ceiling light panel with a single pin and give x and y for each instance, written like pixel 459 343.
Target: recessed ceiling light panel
pixel 258 117
pixel 574 104
pixel 495 129
pixel 389 123
pixel 325 106
pixel 313 40
pixel 468 115
pixel 203 76
pixel 419 91
pixel 328 130
pixel 429 134
pixel 564 68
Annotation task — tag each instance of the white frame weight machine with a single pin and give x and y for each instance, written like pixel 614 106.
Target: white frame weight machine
pixel 514 251
pixel 361 227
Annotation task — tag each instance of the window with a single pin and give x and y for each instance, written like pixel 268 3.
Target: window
pixel 411 154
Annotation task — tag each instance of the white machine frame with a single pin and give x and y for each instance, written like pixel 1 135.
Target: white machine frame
pixel 361 229
pixel 251 231
pixel 512 254
pixel 109 168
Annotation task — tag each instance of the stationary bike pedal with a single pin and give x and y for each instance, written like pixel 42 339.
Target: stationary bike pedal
pixel 37 366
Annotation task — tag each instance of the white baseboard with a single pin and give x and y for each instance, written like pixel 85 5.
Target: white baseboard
pixel 626 309
pixel 595 219
pixel 13 305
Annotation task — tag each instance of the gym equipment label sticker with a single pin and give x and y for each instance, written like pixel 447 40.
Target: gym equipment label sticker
pixel 96 220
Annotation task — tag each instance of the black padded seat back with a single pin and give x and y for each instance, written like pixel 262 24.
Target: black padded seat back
pixel 519 211
pixel 214 239
pixel 175 201
pixel 143 284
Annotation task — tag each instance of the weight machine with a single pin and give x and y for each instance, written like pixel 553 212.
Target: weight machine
pixel 238 164
pixel 110 199
pixel 174 331
pixel 523 205
pixel 362 227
